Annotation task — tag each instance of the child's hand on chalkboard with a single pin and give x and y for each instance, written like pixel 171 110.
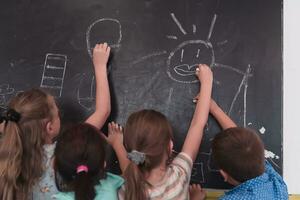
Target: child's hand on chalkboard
pixel 115 134
pixel 101 55
pixel 204 74
pixel 196 192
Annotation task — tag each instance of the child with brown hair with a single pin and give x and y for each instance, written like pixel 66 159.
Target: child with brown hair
pixel 239 153
pixel 151 174
pixel 28 129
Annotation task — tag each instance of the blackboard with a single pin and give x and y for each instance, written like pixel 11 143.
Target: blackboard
pixel 155 48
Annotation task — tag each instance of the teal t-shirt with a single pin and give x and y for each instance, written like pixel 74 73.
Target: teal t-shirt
pixel 107 189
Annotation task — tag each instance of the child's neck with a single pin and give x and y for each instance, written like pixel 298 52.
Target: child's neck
pixel 156 175
pixel 48 140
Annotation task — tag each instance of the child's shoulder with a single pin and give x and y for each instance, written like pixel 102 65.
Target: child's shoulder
pixel 111 182
pixel 183 158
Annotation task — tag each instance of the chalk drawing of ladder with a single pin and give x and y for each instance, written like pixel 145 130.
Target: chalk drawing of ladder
pixel 54 73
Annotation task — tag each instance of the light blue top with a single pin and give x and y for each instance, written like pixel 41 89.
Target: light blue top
pixel 46 188
pixel 268 186
pixel 106 190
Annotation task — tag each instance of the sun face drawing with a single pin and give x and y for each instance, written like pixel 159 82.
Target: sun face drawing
pixel 184 59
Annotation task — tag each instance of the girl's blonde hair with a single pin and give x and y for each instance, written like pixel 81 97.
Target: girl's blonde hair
pixel 150 133
pixel 21 144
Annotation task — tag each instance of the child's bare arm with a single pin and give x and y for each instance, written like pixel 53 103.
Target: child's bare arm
pixel 102 111
pixel 115 139
pixel 223 119
pixel 195 132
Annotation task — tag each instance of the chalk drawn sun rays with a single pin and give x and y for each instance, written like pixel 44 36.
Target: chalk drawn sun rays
pixel 184 59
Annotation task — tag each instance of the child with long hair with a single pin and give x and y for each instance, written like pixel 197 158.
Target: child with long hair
pixel 149 173
pixel 80 166
pixel 28 129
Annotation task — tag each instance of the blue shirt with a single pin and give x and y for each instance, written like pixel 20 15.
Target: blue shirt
pixel 268 186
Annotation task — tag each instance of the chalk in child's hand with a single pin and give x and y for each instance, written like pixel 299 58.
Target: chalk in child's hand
pixel 195 100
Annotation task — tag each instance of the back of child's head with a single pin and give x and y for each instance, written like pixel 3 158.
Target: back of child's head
pixel 21 148
pixel 80 160
pixel 147 136
pixel 239 152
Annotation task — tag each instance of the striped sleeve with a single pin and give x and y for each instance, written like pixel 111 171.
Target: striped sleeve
pixel 183 164
pixel 176 185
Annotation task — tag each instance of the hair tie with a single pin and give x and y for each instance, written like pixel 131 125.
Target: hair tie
pixel 2 119
pixel 136 157
pixel 82 168
pixel 11 115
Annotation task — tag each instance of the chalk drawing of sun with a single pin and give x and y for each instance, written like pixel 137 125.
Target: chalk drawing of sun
pixel 184 59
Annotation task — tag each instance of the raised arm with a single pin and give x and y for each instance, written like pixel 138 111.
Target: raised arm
pixel 195 132
pixel 102 111
pixel 115 139
pixel 223 119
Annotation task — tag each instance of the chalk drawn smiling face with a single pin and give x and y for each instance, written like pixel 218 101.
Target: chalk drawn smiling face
pixel 184 59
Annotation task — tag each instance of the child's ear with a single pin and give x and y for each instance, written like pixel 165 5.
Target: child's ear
pixel 49 127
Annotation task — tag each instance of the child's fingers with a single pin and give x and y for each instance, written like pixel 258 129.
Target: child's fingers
pixel 195 99
pixel 110 129
pixel 108 50
pixel 198 186
pixel 115 125
pixel 104 46
pixel 198 69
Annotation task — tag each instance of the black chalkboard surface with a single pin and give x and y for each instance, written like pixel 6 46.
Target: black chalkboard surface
pixel 156 45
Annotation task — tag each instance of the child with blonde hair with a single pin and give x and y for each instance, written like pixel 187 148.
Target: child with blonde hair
pixel 149 173
pixel 28 130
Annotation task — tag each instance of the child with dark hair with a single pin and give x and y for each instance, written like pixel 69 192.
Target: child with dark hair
pixel 80 166
pixel 79 156
pixel 239 153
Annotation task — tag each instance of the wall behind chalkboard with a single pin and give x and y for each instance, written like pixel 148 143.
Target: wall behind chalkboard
pixel 155 48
